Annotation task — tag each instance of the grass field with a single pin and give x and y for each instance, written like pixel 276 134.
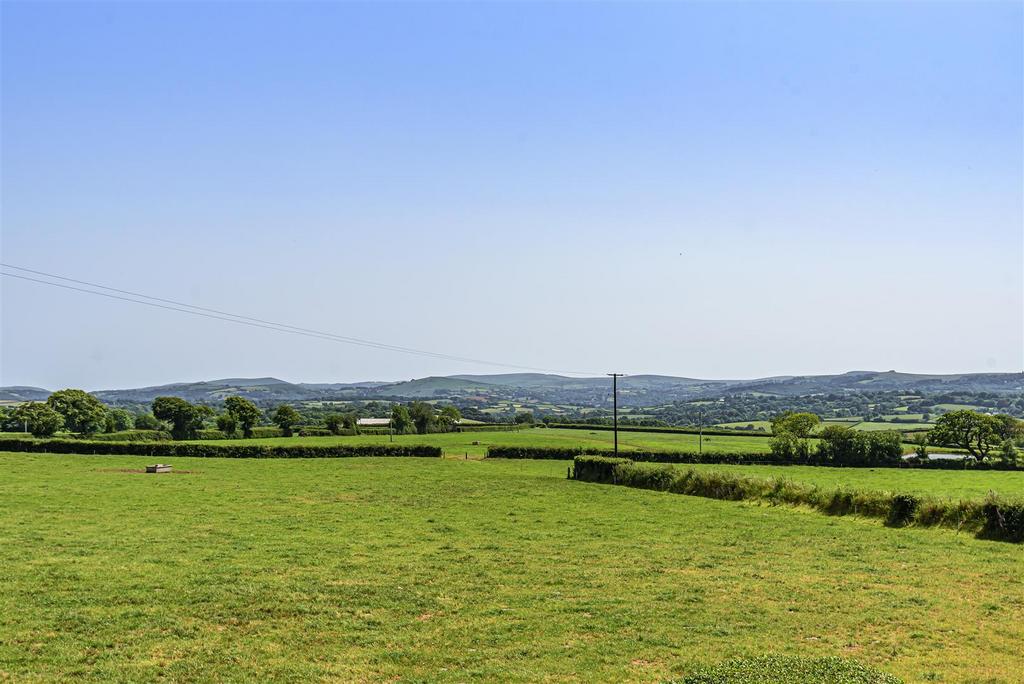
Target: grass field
pixel 947 484
pixel 446 570
pixel 460 443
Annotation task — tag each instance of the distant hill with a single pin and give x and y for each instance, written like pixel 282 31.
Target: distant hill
pixel 636 390
pixel 20 394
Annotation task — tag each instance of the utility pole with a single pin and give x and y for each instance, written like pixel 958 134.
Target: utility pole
pixel 700 432
pixel 615 408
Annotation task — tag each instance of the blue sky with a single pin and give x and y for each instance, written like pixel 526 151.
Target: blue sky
pixel 710 190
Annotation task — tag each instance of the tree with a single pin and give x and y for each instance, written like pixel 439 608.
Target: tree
pixel 526 418
pixel 1008 452
pixel 185 418
pixel 799 424
pixel 1007 427
pixel 147 421
pixel 401 421
pixel 119 419
pixel 227 423
pixel 966 429
pixel 335 422
pixel 286 418
pixel 448 417
pixel 422 415
pixel 245 413
pixel 42 421
pixel 9 421
pixel 787 446
pixel 82 412
pixel 841 445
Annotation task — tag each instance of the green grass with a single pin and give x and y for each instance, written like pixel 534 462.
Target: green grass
pixel 957 407
pixel 460 443
pixel 447 570
pixel 766 424
pixel 892 426
pixel 947 484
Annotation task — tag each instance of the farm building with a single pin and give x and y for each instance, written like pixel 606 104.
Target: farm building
pixel 373 422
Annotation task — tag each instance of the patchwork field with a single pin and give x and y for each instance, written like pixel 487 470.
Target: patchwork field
pixel 447 570
pixel 476 443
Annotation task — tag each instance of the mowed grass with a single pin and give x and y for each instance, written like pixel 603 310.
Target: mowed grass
pixel 943 484
pixel 438 570
pixel 476 443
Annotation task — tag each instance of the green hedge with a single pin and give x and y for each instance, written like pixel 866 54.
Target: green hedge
pixel 790 670
pixel 132 436
pixel 182 449
pixel 991 518
pixel 722 432
pixel 721 458
pixel 491 427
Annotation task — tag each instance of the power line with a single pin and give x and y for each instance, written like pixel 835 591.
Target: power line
pixel 182 307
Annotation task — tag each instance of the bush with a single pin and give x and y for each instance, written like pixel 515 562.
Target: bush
pixel 790 670
pixel 1004 520
pixel 597 468
pixel 170 449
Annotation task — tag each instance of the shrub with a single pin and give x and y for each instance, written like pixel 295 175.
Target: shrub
pixel 1003 520
pixel 902 509
pixel 170 449
pixel 597 468
pixel 790 670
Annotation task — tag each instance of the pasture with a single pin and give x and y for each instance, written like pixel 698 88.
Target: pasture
pixel 449 570
pixel 475 443
pixel 944 484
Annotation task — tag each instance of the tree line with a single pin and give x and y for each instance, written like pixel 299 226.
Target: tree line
pixel 77 411
pixel 983 436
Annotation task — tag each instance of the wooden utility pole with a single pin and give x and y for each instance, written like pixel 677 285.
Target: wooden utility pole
pixel 615 408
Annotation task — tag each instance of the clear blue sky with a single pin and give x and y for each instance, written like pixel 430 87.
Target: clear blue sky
pixel 711 190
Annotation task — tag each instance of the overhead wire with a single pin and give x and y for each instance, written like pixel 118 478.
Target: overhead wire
pixel 217 314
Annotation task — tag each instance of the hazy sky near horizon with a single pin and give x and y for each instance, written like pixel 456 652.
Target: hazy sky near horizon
pixel 709 190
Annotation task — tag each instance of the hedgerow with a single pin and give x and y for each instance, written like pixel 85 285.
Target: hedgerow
pixel 722 458
pixel 722 432
pixel 993 518
pixel 169 449
pixel 132 436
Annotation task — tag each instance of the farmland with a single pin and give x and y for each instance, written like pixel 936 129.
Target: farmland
pixel 447 570
pixel 475 443
pixel 952 484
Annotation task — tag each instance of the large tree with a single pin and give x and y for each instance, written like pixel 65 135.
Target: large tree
pixel 41 420
pixel 448 417
pixel 82 412
pixel 422 415
pixel 245 414
pixel 119 419
pixel 401 421
pixel 286 418
pixel 185 418
pixel 966 429
pixel 798 424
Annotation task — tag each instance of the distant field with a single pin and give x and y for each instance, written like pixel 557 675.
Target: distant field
pixel 431 570
pixel 893 426
pixel 766 424
pixel 957 407
pixel 476 443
